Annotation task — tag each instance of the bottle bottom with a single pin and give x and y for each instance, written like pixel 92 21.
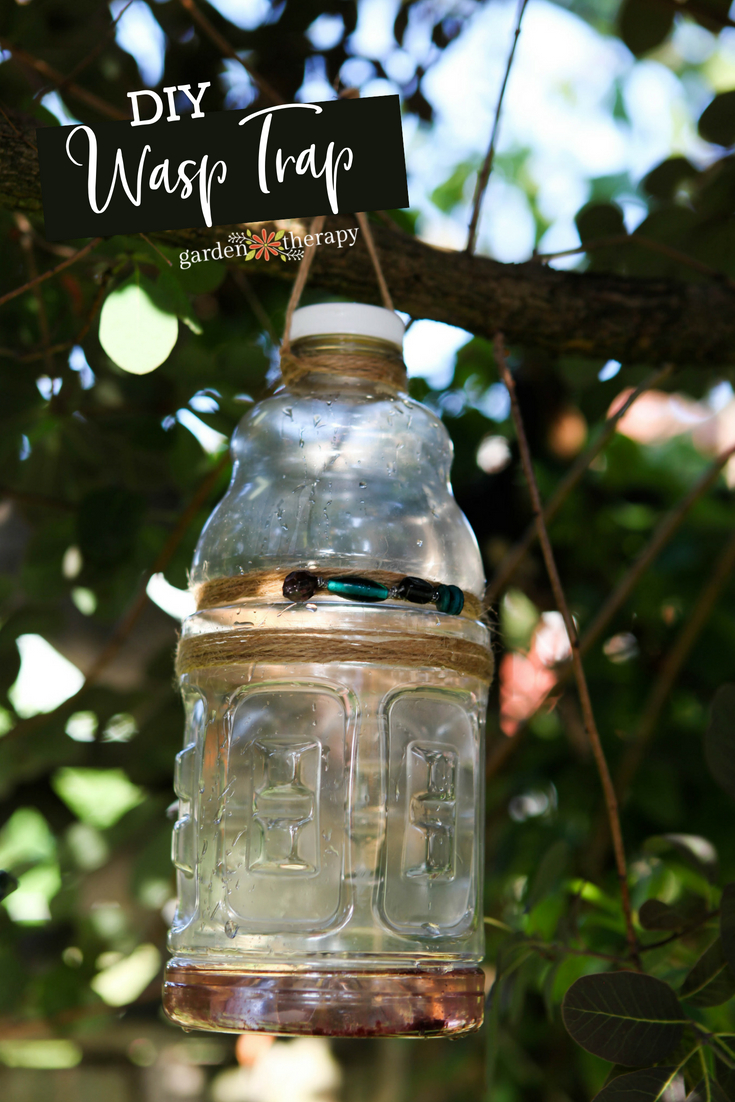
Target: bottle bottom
pixel 429 1003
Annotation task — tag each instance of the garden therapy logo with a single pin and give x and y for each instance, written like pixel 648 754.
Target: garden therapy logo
pixel 267 245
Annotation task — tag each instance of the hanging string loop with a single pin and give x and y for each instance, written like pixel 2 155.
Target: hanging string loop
pixel 376 366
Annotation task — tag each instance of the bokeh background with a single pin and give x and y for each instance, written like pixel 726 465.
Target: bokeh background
pixel 107 479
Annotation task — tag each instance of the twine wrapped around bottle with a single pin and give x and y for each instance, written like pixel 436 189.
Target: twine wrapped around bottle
pixel 393 648
pixel 373 368
pixel 245 646
pixel 268 584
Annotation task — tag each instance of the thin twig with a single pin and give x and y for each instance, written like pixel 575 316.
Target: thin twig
pixel 51 272
pixel 484 174
pixel 389 221
pixel 9 121
pixel 709 13
pixel 31 357
pixel 374 256
pixel 512 560
pixel 97 302
pixel 582 687
pixel 225 48
pixel 26 241
pixel 57 78
pixel 156 249
pixel 501 753
pixel 666 529
pixel 255 304
pixel 554 948
pixel 133 615
pixel 42 500
pixel 645 243
pixel 680 933
pixel 95 51
pixel 675 659
pixel 65 346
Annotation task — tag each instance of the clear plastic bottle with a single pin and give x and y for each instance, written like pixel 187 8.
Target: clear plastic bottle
pixel 329 840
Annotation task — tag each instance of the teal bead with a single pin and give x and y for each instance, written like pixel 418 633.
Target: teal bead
pixel 358 589
pixel 449 599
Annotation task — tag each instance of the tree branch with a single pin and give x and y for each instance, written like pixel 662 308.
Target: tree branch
pixel 589 314
pixel 585 701
pixel 645 243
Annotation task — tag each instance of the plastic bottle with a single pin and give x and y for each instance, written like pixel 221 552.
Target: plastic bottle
pixel 329 840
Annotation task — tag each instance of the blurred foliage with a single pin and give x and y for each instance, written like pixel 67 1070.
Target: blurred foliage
pixel 99 465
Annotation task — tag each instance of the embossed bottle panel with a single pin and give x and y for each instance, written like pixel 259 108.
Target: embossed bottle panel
pixel 285 809
pixel 183 842
pixel 430 868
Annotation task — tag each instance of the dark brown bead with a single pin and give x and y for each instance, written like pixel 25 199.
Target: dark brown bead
pixel 415 590
pixel 300 585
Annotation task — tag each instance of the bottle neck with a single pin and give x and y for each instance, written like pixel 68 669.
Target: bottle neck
pixel 351 362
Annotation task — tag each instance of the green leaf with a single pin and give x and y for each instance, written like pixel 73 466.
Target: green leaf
pixel 644 24
pixel 599 220
pixel 451 192
pixel 97 796
pixel 8 883
pixel 717 121
pixel 719 739
pixel 725 1079
pixel 549 871
pixel 710 981
pixel 727 923
pixel 492 1032
pixel 663 181
pixel 203 277
pixel 108 523
pixel 512 953
pixel 707 1091
pixel 696 851
pixel 171 297
pixel 625 1017
pixel 646 1085
pixel 656 915
pixel 279 235
pixel 135 333
pixel 250 255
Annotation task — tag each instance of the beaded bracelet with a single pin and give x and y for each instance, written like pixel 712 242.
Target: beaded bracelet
pixel 301 585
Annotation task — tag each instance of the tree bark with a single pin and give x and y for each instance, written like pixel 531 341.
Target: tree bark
pixel 652 321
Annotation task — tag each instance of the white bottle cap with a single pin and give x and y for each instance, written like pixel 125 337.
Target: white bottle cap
pixel 354 318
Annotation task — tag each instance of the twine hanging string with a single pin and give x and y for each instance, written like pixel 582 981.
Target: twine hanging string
pixel 302 275
pixel 374 367
pixel 370 242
